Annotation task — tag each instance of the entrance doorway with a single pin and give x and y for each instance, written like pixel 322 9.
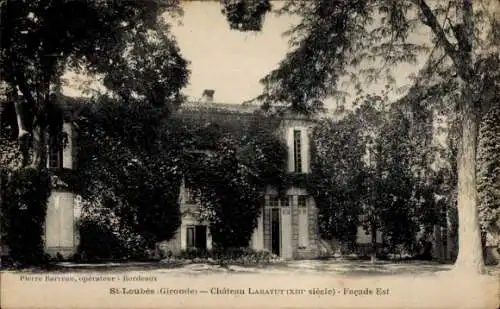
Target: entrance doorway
pixel 196 236
pixel 275 231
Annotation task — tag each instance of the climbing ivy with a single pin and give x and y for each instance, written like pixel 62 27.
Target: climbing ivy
pixel 488 173
pixel 128 163
pixel 230 178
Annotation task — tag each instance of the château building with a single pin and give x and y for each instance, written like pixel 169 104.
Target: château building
pixel 287 225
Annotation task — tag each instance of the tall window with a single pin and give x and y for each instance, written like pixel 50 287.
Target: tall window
pixel 55 157
pixel 297 155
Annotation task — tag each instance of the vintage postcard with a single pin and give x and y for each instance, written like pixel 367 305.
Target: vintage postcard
pixel 249 154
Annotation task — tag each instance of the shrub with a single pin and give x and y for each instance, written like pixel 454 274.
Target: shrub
pixel 100 240
pixel 97 242
pixel 24 196
pixel 233 256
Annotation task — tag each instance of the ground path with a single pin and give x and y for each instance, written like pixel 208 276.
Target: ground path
pixel 297 284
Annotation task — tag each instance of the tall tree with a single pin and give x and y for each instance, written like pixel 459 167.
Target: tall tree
pixel 371 116
pixel 335 37
pixel 41 39
pixel 337 169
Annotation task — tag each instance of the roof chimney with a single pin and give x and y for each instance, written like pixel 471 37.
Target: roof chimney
pixel 208 95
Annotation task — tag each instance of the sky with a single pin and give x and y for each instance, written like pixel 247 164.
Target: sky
pixel 229 61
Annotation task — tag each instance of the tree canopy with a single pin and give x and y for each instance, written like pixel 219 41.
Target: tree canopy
pixel 127 41
pixel 364 38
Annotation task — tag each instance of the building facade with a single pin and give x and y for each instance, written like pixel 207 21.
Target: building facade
pixel 60 230
pixel 287 225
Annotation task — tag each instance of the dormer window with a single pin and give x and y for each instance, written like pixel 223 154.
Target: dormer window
pixel 297 151
pixel 189 196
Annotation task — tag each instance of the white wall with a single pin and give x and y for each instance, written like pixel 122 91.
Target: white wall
pixel 303 228
pixel 60 223
pixel 258 234
pixel 286 232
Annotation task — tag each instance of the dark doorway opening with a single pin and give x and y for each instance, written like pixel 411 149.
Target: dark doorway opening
pixel 197 236
pixel 201 237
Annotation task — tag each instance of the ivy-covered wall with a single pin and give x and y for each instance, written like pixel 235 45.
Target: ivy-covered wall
pixel 230 176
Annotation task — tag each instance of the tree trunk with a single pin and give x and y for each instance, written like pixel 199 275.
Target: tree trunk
pixel 470 257
pixel 21 125
pixel 24 135
pixel 373 233
pixel 39 147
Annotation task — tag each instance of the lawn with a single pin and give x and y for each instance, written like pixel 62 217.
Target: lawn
pixel 354 268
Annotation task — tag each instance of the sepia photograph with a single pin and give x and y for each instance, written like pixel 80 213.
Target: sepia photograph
pixel 250 154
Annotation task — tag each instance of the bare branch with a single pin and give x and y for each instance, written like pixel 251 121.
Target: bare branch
pixel 432 22
pixel 465 42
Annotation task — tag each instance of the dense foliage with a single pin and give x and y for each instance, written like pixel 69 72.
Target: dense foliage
pixel 369 169
pixel 24 197
pixel 336 177
pixel 245 15
pixel 126 41
pixel 131 160
pixel 128 163
pixel 231 256
pixel 102 238
pixel 231 176
pixel 489 175
pixel 401 198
